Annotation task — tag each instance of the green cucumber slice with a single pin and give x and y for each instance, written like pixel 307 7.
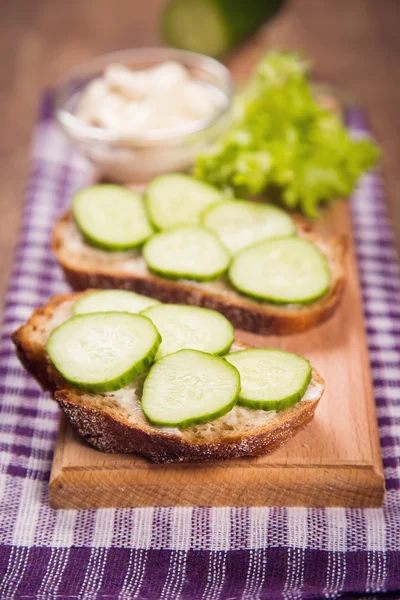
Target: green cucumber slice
pixel 283 271
pixel 177 199
pixel 189 387
pixel 201 29
pixel 112 301
pixel 270 379
pixel 191 327
pixel 186 252
pixel 102 352
pixel 111 217
pixel 213 26
pixel 240 223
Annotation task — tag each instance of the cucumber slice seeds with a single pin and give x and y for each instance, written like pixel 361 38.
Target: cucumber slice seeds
pixel 186 252
pixel 270 379
pixel 111 217
pixel 103 352
pixel 241 223
pixel 283 271
pixel 112 301
pixel 189 387
pixel 177 199
pixel 191 327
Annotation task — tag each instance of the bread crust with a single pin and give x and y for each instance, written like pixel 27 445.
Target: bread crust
pixel 244 313
pixel 29 340
pixel 102 430
pixel 109 430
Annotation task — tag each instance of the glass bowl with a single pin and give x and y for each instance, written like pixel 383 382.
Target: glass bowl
pixel 128 158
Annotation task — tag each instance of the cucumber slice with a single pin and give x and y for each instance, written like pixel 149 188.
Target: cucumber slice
pixel 189 387
pixel 103 352
pixel 201 29
pixel 178 199
pixel 112 301
pixel 284 271
pixel 240 223
pixel 270 379
pixel 186 252
pixel 191 327
pixel 213 26
pixel 111 217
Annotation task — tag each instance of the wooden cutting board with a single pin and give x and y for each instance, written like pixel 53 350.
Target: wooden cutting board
pixel 335 461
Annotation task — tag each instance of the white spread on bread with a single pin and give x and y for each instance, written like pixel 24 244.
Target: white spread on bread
pixel 132 262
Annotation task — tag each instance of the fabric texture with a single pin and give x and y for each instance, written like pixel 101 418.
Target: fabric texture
pixel 185 553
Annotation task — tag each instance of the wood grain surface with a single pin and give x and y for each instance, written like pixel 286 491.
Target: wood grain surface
pixel 335 461
pixel 354 45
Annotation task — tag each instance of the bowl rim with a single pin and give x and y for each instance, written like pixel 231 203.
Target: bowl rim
pixel 78 129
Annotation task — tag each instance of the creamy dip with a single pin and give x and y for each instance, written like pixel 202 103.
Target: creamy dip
pixel 161 97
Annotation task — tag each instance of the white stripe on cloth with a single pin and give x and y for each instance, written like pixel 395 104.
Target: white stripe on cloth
pixel 392 472
pixel 94 573
pixel 391 513
pixel 100 541
pixel 175 579
pixel 258 553
pixel 134 575
pixel 180 538
pixel 52 578
pixel 40 443
pixel 142 527
pixel 383 323
pixel 384 355
pixel 215 575
pixel 28 513
pixel 63 532
pixel 297 539
pixel 139 525
pixel 392 411
pixel 391 392
pixel 336 542
pixel 387 373
pixel 294 574
pixel 104 528
pixel 376 279
pixel 376 544
pixel 369 259
pixel 390 431
pixel 220 542
pixel 391 452
pixel 372 294
pixel 220 528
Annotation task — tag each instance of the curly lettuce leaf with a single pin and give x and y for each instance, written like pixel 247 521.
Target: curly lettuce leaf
pixel 281 139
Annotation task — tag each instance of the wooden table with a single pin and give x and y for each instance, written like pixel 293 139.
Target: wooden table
pixel 354 44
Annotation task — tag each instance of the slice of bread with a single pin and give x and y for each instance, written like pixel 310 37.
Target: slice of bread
pixel 85 266
pixel 114 422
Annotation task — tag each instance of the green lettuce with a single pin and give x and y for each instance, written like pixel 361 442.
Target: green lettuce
pixel 281 140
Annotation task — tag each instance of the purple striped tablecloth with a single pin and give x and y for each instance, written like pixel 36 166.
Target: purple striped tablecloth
pixel 186 553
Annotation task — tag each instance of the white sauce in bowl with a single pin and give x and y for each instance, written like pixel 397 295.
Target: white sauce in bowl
pixel 162 97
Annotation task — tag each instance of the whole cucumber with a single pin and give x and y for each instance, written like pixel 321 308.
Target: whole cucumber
pixel 214 26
